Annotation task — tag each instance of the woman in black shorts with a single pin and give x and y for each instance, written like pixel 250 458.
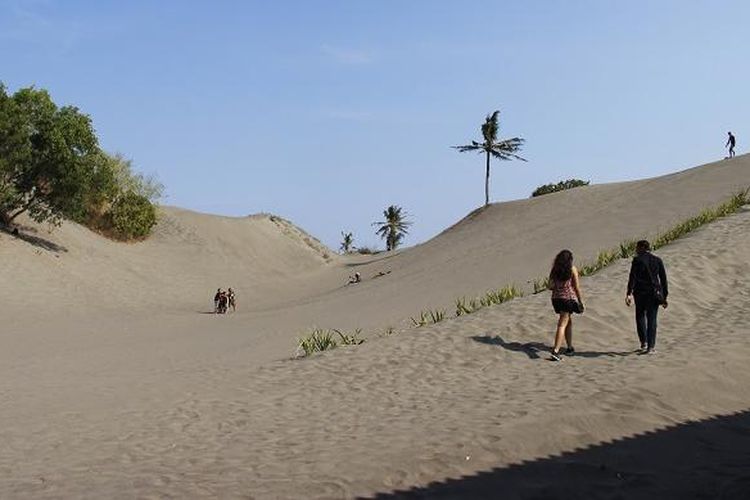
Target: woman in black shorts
pixel 566 300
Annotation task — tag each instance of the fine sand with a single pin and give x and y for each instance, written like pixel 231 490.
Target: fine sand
pixel 114 383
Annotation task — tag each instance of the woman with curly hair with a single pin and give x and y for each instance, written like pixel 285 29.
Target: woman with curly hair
pixel 566 300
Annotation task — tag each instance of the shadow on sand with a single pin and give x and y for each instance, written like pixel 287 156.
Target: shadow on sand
pixel 536 350
pixel 703 459
pixel 36 241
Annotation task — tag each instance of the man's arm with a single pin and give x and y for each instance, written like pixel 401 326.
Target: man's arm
pixel 631 278
pixel 663 279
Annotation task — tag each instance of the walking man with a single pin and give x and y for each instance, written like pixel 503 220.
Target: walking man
pixel 730 142
pixel 647 286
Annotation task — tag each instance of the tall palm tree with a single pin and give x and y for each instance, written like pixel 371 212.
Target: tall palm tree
pixel 393 228
pixel 504 149
pixel 347 242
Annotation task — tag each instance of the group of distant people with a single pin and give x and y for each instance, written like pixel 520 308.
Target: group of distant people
pixel 647 289
pixel 223 300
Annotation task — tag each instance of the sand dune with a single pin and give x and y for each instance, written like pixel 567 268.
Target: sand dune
pixel 112 384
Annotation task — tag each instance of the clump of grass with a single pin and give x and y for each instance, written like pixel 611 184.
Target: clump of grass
pixel 605 258
pixel 351 338
pixel 508 292
pixel 387 332
pixel 627 249
pixel 428 317
pixel 319 340
pixel 490 298
pixel 541 285
pixel 463 307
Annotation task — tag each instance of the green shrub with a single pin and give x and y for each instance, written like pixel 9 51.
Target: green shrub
pixel 560 186
pixel 132 216
pixel 321 340
pixel 318 341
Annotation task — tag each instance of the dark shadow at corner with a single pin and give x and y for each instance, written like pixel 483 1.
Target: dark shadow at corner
pixel 702 459
pixel 535 350
pixel 36 241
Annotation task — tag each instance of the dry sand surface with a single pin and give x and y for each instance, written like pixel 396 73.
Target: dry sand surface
pixel 114 384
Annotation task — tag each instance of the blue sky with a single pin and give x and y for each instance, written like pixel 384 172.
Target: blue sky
pixel 325 112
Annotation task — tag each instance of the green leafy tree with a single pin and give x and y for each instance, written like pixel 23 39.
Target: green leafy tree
pixel 503 149
pixel 132 216
pixel 50 157
pixel 347 243
pixel 394 228
pixel 51 167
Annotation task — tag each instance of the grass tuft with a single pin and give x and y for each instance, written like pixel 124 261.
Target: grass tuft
pixel 490 298
pixel 428 317
pixel 320 340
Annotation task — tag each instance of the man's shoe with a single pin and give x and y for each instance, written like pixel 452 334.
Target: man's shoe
pixel 569 351
pixel 553 356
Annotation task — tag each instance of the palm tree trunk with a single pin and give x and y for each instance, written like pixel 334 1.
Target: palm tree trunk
pixel 487 182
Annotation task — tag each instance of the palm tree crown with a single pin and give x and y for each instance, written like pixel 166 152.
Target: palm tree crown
pixel 504 149
pixel 347 243
pixel 393 228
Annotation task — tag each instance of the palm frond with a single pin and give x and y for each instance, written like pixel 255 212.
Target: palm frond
pixel 469 147
pixel 490 127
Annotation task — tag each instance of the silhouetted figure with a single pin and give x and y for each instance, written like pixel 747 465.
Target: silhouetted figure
pixel 217 297
pixel 647 284
pixel 731 142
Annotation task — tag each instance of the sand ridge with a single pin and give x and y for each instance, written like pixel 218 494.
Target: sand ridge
pixel 125 398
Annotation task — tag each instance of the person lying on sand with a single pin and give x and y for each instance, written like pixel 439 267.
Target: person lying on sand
pixel 566 300
pixel 355 279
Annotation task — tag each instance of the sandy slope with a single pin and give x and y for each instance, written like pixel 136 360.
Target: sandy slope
pixel 113 385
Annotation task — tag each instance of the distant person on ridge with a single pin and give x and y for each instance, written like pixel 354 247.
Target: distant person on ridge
pixel 566 300
pixel 647 284
pixel 232 302
pixel 730 142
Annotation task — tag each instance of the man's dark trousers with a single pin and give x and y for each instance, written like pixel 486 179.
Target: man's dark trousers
pixel 646 310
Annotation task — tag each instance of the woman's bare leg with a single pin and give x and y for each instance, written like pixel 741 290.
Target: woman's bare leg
pixel 562 324
pixel 569 333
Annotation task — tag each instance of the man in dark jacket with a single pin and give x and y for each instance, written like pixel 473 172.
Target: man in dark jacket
pixel 647 286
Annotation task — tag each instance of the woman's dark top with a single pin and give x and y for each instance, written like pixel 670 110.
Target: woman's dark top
pixel 640 281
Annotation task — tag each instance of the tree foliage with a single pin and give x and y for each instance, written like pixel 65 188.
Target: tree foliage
pixel 347 242
pixel 51 167
pixel 560 186
pixel 132 216
pixel 394 228
pixel 503 149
